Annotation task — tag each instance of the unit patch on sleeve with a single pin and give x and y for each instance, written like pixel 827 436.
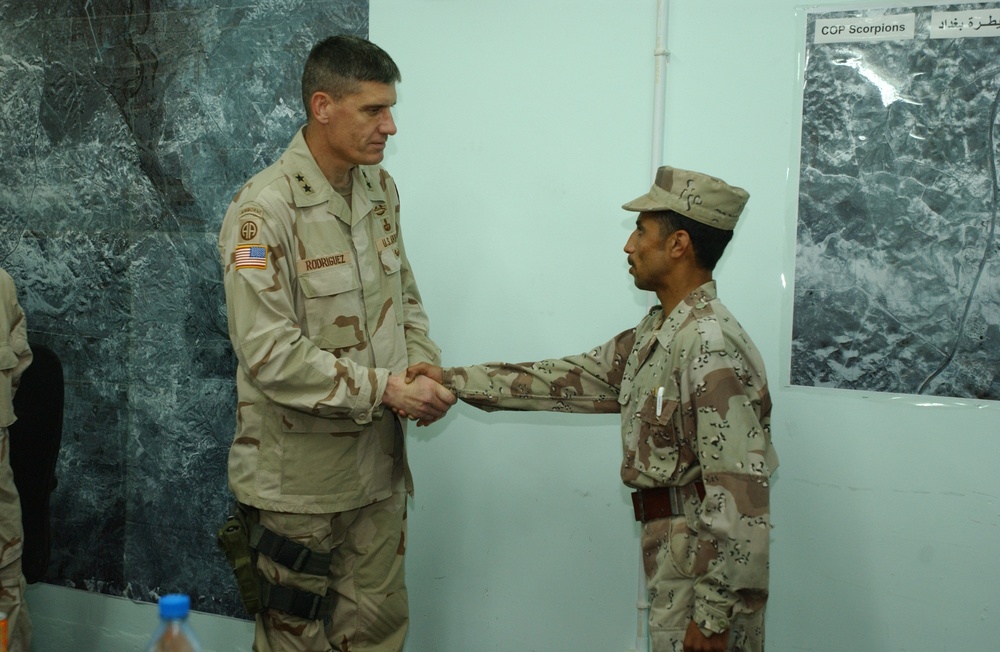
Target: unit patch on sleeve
pixel 250 256
pixel 249 230
pixel 250 215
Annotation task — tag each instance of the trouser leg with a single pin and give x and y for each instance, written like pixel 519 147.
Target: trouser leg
pixel 275 630
pixel 669 552
pixel 371 606
pixel 12 603
pixel 12 582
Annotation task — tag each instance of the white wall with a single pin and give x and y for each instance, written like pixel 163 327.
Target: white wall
pixel 886 515
pixel 523 125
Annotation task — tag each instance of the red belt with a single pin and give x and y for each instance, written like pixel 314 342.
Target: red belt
pixel 661 502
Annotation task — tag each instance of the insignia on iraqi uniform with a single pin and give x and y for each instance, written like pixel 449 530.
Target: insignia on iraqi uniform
pixel 250 256
pixel 379 209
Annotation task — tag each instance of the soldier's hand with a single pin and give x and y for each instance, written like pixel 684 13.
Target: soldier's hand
pixel 695 641
pixel 422 398
pixel 425 369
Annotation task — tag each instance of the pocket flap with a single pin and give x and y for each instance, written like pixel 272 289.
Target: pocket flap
pixel 328 282
pixel 390 261
pixel 294 421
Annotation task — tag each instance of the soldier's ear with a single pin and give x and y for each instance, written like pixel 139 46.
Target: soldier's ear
pixel 679 243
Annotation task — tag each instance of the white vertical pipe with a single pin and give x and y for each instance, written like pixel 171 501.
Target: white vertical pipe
pixel 661 57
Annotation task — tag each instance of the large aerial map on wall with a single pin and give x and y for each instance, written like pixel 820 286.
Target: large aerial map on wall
pixel 126 126
pixel 897 259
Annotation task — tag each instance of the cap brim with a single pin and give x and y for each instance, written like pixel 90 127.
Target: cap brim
pixel 644 203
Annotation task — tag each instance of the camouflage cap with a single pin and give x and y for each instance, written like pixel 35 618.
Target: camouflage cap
pixel 703 198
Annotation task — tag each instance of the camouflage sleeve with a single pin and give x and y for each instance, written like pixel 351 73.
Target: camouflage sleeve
pixel 416 325
pixel 286 366
pixel 589 382
pixel 18 340
pixel 731 402
pixel 15 354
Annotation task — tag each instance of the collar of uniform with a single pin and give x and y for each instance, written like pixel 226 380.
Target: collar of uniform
pixel 309 185
pixel 699 298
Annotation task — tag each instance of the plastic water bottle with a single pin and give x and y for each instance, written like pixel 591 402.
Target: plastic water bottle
pixel 174 633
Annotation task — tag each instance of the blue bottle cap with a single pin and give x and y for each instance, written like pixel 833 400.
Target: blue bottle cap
pixel 175 605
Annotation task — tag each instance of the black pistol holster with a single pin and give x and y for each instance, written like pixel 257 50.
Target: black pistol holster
pixel 241 540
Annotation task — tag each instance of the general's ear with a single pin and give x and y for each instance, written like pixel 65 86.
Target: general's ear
pixel 321 104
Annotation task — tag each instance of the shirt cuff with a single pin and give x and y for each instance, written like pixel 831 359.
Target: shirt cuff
pixel 369 404
pixel 708 620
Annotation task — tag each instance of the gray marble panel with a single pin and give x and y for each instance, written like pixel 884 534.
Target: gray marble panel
pixel 125 129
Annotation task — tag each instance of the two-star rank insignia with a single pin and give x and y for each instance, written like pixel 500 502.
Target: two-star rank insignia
pixel 306 188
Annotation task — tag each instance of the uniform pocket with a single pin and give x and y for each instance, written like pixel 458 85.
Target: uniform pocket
pixel 328 282
pixel 658 449
pixel 295 421
pixel 390 260
pixel 333 308
pixel 301 454
pixel 318 465
pixel 682 547
pixel 391 264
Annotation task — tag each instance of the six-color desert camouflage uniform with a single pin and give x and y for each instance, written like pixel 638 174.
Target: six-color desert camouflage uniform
pixel 692 392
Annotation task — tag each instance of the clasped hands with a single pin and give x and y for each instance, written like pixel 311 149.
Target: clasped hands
pixel 419 394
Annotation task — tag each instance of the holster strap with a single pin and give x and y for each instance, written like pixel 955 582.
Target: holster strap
pixel 661 502
pixel 296 601
pixel 288 553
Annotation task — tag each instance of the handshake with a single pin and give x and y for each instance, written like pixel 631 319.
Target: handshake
pixel 419 394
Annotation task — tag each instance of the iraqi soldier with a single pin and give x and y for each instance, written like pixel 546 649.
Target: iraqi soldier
pixel 692 392
pixel 324 317
pixel 15 356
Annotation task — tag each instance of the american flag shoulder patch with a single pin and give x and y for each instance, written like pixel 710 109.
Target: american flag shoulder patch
pixel 250 256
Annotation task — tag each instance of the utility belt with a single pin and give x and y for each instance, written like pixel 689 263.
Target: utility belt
pixel 242 539
pixel 661 502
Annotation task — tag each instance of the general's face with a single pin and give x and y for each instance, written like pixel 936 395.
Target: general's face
pixel 360 124
pixel 648 257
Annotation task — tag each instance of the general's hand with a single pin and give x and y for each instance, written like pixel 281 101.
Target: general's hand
pixel 695 641
pixel 425 369
pixel 422 398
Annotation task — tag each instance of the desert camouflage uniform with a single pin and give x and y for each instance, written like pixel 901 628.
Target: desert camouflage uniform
pixel 713 424
pixel 322 308
pixel 15 356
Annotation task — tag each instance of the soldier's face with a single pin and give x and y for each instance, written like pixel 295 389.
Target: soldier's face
pixel 357 126
pixel 648 257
